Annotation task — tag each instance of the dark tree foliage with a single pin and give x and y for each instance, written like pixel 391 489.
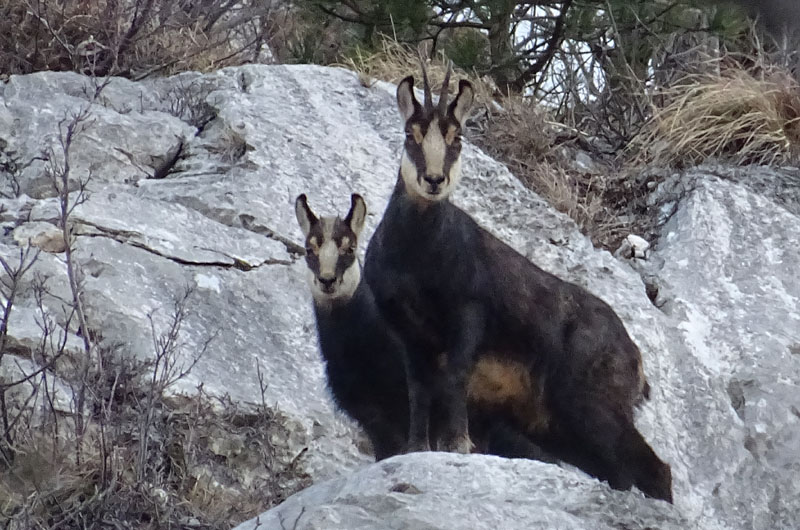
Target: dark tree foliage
pixel 515 42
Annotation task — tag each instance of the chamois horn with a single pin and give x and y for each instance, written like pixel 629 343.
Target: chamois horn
pixel 426 87
pixel 445 86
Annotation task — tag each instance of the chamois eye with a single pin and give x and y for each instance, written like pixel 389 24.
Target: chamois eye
pixel 351 250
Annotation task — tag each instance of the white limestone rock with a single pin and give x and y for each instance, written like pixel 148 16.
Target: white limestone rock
pixel 721 358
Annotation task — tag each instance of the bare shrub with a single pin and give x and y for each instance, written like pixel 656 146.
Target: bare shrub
pixel 188 102
pixel 148 458
pixel 92 435
pixel 132 38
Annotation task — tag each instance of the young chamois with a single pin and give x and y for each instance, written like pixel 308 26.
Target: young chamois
pixel 364 358
pixel 565 368
pixel 364 362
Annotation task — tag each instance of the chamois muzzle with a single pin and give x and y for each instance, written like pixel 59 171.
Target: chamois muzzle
pixel 434 183
pixel 327 284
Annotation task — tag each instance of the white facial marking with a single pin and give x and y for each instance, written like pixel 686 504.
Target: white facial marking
pixel 409 172
pixel 350 280
pixel 455 176
pixel 328 251
pixel 434 148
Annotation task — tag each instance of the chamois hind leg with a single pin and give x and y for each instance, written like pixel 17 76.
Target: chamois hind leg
pixel 650 474
pixel 495 435
pixel 601 381
pixel 605 443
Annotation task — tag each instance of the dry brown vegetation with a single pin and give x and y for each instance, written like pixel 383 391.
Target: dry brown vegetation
pixel 736 115
pixel 135 38
pixel 523 135
pixel 91 434
pixel 209 464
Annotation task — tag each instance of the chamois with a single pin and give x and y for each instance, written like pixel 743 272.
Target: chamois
pixel 364 362
pixel 569 373
pixel 364 358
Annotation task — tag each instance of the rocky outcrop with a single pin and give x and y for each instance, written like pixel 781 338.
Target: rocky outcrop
pixel 192 184
pixel 457 492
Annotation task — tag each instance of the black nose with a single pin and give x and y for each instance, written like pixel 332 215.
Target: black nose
pixel 434 181
pixel 327 283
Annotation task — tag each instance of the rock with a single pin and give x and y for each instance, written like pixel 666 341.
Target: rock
pixel 633 246
pixel 445 491
pixel 731 286
pixel 585 163
pixel 45 236
pixel 193 182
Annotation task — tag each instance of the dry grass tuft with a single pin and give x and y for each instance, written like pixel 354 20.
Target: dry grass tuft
pixel 523 135
pixel 394 60
pixel 735 115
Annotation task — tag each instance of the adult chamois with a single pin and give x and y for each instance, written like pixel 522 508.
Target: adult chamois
pixel 569 373
pixel 364 359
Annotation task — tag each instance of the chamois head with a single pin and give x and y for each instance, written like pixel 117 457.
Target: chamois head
pixel 331 243
pixel 431 164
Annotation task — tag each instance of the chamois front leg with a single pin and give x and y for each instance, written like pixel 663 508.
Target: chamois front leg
pixel 420 378
pixel 466 332
pixel 415 323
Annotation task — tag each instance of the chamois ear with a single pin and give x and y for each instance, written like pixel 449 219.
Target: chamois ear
pixel 305 217
pixel 357 214
pixel 463 102
pixel 406 101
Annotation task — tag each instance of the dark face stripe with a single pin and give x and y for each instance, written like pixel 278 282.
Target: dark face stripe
pixel 416 153
pixel 337 259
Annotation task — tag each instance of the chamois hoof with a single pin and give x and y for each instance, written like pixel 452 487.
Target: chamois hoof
pixel 659 483
pixel 418 447
pixel 462 444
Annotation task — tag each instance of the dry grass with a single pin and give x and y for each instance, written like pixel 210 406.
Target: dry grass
pixel 394 60
pixel 522 135
pixel 133 38
pixel 736 116
pixel 210 465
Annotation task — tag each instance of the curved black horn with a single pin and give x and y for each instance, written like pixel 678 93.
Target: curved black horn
pixel 426 87
pixel 445 86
